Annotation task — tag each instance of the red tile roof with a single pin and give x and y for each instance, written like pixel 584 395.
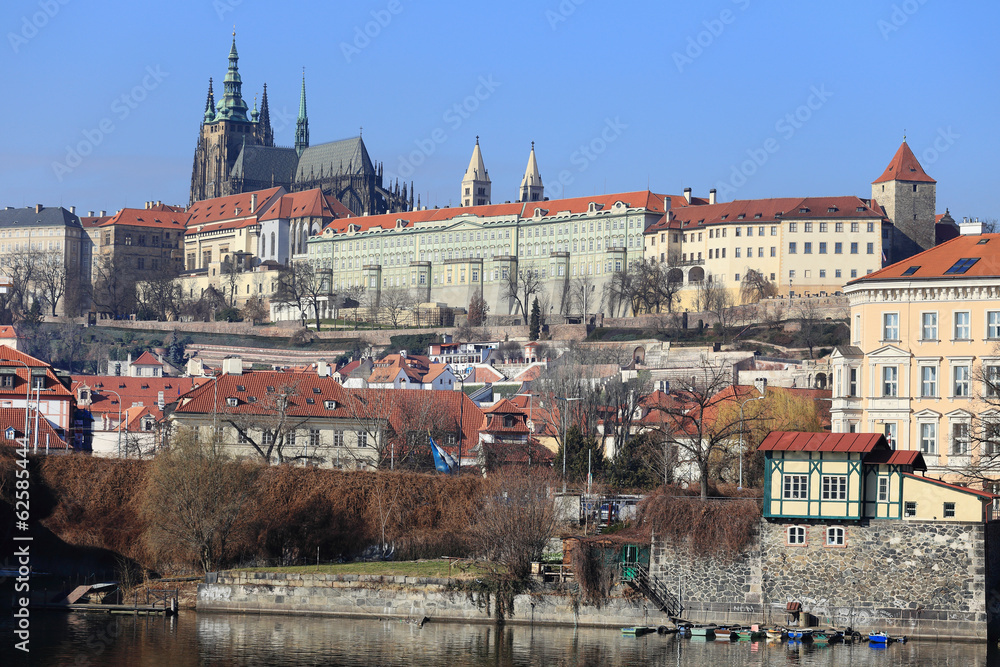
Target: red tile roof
pixel 14 418
pixel 94 221
pixel 791 441
pixel 903 457
pixel 484 374
pixel 639 199
pixel 146 359
pixel 132 390
pixel 7 331
pixel 306 204
pixel 259 391
pixel 54 388
pixel 904 167
pixel 768 210
pixel 141 217
pixel 934 262
pixel 220 212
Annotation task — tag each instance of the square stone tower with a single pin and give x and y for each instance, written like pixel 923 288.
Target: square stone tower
pixel 909 197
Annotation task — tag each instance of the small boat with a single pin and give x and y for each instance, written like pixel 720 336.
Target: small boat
pixel 821 638
pixel 777 634
pixel 884 638
pixel 637 631
pixel 801 635
pixel 707 631
pixel 747 634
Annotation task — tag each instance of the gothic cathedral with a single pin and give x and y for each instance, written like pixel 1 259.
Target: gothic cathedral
pixel 236 153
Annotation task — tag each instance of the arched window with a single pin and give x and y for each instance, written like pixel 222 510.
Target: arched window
pixel 274 249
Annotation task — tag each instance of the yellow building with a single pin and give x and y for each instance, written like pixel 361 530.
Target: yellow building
pixel 924 355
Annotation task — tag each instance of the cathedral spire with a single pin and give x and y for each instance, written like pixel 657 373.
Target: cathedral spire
pixel 531 184
pixel 302 123
pixel 476 182
pixel 210 103
pixel 232 105
pixel 266 133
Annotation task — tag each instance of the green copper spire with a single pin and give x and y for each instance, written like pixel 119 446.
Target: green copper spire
pixel 302 124
pixel 232 105
pixel 210 103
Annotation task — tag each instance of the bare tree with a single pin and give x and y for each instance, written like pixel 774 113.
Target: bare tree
pixel 114 285
pixel 254 310
pixel 478 310
pixel 291 289
pixel 620 291
pixel 395 303
pixel 196 499
pixel 810 322
pixel 51 279
pixel 622 401
pixel 22 269
pixel 586 299
pixel 269 425
pixel 714 297
pixel 689 423
pixel 518 288
pixel 159 294
pixel 755 286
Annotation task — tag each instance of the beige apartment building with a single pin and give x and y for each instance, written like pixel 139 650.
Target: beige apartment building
pixel 925 340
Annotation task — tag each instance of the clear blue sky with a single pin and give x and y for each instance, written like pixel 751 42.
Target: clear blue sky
pixel 669 94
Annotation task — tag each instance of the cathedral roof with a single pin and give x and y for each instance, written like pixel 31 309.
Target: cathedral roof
pixel 531 175
pixel 904 167
pixel 477 169
pixel 266 164
pixel 348 155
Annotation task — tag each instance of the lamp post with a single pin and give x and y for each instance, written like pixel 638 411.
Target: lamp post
pixel 112 391
pixel 761 386
pixel 564 448
pixel 27 395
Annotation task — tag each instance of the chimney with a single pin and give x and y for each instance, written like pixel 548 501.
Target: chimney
pixel 687 195
pixel 103 213
pixel 253 202
pixel 761 385
pixel 90 214
pixel 72 209
pixel 159 400
pixel 322 369
pixel 666 204
pixel 970 227
pixel 38 208
pixel 711 196
pixel 232 366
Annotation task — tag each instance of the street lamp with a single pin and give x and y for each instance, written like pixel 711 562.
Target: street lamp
pixel 27 395
pixel 112 391
pixel 564 448
pixel 761 386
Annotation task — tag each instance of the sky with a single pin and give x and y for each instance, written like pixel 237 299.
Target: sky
pixel 756 99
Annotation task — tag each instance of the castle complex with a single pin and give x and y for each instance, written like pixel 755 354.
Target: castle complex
pixel 236 154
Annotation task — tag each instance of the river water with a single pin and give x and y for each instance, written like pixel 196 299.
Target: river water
pixel 59 638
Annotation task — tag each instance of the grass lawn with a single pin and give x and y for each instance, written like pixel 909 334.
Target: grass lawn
pixel 460 569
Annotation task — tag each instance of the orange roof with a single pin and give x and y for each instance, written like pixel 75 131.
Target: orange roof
pixel 756 211
pixel 904 167
pixel 224 209
pixel 141 217
pixel 94 221
pixel 639 199
pixel 484 374
pixel 936 262
pixel 7 331
pixel 145 391
pixel 146 359
pixel 306 204
pixel 256 392
pixel 14 418
pixel 54 388
pixel 792 441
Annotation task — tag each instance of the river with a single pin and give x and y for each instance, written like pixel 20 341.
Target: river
pixel 80 640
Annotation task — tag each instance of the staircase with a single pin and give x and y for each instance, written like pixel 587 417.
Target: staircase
pixel 637 576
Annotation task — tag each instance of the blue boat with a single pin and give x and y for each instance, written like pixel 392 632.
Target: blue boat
pixel 884 638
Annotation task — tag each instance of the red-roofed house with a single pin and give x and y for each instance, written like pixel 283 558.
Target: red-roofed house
pixel 411 371
pixel 505 439
pixel 8 336
pixel 147 241
pixel 845 478
pixel 26 381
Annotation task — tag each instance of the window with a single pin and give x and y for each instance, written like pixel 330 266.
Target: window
pixel 232 402
pixel 890 381
pixel 834 536
pixel 883 489
pixel 889 430
pixel 890 326
pixel 7 381
pixel 362 439
pixel 822 247
pixel 910 509
pixel 871 227
pixel 822 227
pixel 854 248
pixel 854 228
pixel 314 437
pixel 993 324
pixel 267 438
pixel 737 252
pixel 793 227
pixel 834 487
pixel 960 439
pixel 795 487
pixel 928 438
pixel 838 227
pixel 807 247
pixel 774 251
pixel 991 380
pixel 338 438
pixel 962 382
pixel 928 381
pixel 38 382
pixel 330 405
pixel 852 382
pixel 961 266
pixel 870 248
pixel 928 326
pixel 791 248
pixel 241 437
pixel 854 273
pixel 796 535
pixel 949 510
pixel 962 329
pixel 838 248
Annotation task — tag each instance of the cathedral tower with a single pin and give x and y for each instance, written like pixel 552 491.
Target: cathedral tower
pixel 476 183
pixel 302 123
pixel 226 127
pixel 531 184
pixel 909 197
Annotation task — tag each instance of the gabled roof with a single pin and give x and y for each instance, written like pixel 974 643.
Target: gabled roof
pixel 223 209
pixel 306 204
pixel 904 167
pixel 54 387
pixel 7 331
pixel 434 371
pixel 792 441
pixel 346 156
pixel 141 217
pixel 14 418
pixel 133 390
pixel 49 216
pixel 257 391
pixel 983 495
pixel 902 457
pixel 935 262
pixel 762 211
pixel 265 164
pixel 146 359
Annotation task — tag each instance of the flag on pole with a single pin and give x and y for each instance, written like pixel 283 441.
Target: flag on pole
pixel 443 461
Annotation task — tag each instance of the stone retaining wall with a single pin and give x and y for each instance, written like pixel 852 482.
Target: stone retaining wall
pixel 920 579
pixel 412 598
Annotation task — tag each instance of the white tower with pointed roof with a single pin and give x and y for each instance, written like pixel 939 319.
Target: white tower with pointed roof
pixel 476 183
pixel 531 184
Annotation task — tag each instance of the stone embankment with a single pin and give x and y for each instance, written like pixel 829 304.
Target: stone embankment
pixel 408 598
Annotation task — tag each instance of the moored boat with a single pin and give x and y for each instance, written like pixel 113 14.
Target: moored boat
pixel 707 631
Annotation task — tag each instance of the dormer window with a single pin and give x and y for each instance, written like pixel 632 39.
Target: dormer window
pixel 330 405
pixel 232 401
pixel 311 401
pixel 240 387
pixel 317 390
pixel 38 382
pixel 10 433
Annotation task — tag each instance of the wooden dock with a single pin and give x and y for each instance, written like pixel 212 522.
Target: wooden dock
pixel 158 602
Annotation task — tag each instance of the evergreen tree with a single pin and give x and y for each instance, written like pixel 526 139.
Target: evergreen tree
pixel 535 323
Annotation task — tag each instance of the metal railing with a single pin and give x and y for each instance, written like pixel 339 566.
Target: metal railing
pixel 637 576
